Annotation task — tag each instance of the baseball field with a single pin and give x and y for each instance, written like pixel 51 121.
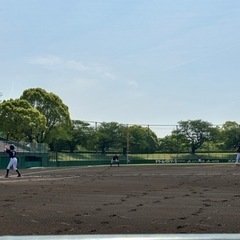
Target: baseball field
pixel 130 199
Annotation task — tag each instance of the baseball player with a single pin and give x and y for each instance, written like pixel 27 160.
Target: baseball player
pixel 237 147
pixel 13 160
pixel 115 160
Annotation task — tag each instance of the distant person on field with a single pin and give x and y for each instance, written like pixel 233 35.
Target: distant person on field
pixel 115 160
pixel 237 147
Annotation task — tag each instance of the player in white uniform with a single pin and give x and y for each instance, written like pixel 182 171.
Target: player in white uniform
pixel 13 160
pixel 237 147
pixel 115 160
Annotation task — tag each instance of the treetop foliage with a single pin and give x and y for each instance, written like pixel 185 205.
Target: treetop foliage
pixel 49 104
pixel 21 120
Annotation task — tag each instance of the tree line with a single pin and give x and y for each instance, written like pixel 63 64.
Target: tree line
pixel 42 117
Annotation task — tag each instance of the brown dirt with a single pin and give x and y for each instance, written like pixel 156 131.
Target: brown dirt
pixel 121 200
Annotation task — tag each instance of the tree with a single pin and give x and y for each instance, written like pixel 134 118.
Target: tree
pixel 51 106
pixel 60 135
pixel 193 133
pixel 110 136
pixel 21 120
pixel 169 143
pixel 230 134
pixel 142 139
pixel 69 137
pixel 83 135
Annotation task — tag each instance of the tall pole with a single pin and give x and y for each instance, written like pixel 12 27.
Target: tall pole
pixel 96 127
pixel 177 141
pixel 127 142
pixel 148 141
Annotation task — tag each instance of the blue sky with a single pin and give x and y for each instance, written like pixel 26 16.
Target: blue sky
pixel 129 61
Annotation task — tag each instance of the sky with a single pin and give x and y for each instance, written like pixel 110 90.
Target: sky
pixel 153 62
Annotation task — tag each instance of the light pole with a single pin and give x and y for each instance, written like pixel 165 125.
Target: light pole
pixel 127 143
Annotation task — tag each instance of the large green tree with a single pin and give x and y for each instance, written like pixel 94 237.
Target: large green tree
pixel 142 139
pixel 194 133
pixel 109 136
pixel 230 134
pixel 70 137
pixel 21 120
pixel 51 106
pixel 170 143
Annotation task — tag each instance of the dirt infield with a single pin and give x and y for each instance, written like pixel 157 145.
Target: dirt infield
pixel 121 200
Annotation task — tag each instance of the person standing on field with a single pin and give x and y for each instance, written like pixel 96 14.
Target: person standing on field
pixel 237 147
pixel 13 160
pixel 115 160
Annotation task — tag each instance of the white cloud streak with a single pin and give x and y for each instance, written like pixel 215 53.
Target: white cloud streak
pixel 56 63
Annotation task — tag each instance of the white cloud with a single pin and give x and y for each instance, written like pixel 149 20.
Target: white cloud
pixel 56 63
pixel 46 61
pixel 103 71
pixel 75 65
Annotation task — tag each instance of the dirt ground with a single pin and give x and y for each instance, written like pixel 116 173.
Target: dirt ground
pixel 121 200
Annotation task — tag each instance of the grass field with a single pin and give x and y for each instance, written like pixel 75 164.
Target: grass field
pixel 152 156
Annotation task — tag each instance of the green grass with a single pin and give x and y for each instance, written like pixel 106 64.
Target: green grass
pixel 154 156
